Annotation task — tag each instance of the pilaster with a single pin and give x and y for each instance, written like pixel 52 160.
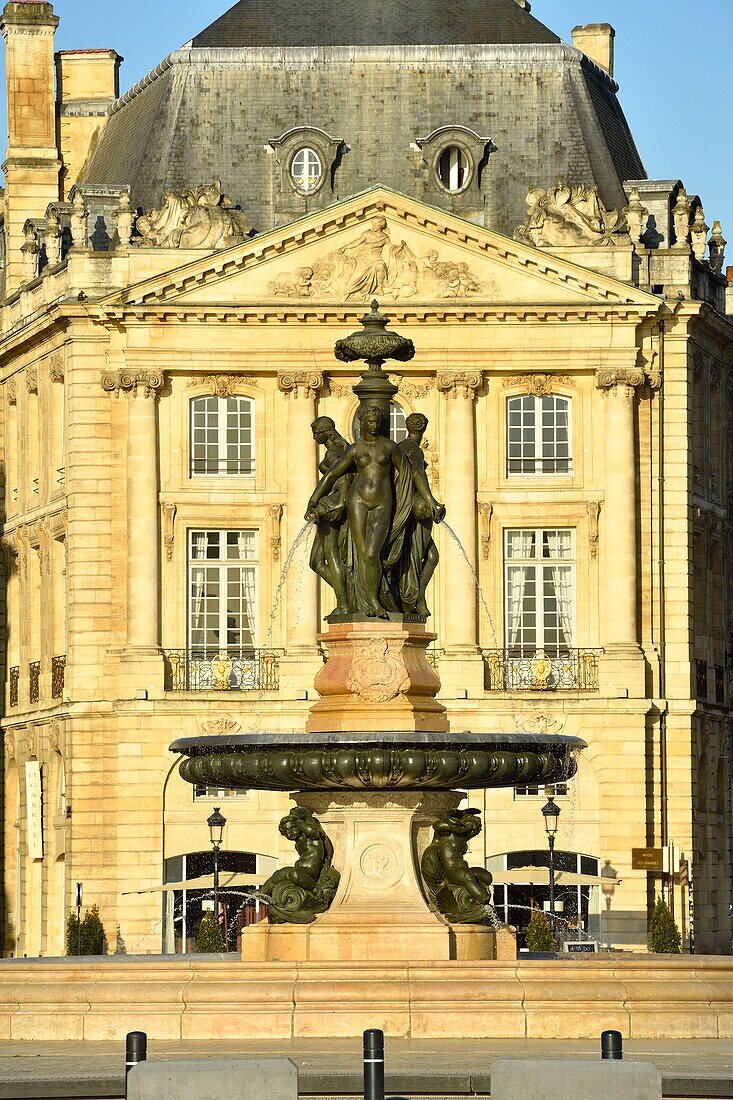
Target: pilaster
pixel 462 665
pixel 142 658
pixel 622 668
pixel 302 657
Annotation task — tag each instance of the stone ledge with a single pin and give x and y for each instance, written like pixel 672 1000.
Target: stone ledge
pixel 215 998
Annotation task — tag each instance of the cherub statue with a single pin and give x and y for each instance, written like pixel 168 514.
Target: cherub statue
pixel 296 895
pixel 461 893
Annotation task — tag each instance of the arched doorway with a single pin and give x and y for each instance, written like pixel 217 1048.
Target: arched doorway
pixel 189 894
pixel 521 884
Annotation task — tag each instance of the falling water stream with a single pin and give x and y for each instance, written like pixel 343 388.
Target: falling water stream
pixel 511 692
pixel 299 539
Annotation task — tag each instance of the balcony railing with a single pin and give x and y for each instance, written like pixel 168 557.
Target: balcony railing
pixel 58 672
pixel 570 670
pixel 222 670
pixel 14 686
pixel 34 681
pixel 433 655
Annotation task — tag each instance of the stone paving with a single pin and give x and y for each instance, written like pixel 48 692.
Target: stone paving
pixel 700 1069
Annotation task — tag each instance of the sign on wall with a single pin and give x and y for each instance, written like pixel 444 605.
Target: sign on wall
pixel 647 859
pixel 34 809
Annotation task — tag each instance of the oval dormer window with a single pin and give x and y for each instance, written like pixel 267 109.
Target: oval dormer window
pixel 454 168
pixel 306 170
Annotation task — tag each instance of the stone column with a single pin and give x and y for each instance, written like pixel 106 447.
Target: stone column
pixel 620 636
pixel 458 632
pixel 300 598
pixel 143 532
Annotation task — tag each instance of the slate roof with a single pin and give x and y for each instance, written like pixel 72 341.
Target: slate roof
pixel 373 23
pixel 212 111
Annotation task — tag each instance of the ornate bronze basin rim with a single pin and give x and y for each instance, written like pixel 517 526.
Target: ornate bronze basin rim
pixel 377 761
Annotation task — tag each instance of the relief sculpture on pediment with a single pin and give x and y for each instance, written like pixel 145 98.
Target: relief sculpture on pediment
pixel 373 264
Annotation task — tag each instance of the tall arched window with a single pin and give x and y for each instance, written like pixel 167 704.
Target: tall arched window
pixel 397 423
pixel 222 437
pixel 538 435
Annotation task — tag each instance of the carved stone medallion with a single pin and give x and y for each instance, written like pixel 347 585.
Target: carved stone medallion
pixel 376 676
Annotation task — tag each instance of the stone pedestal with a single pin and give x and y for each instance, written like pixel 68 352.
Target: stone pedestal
pixel 380 911
pixel 377 677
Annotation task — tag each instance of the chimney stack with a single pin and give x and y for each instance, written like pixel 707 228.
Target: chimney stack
pixel 87 83
pixel 32 162
pixel 596 41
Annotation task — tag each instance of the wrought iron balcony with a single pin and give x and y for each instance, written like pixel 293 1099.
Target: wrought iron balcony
pixel 222 670
pixel 58 670
pixel 541 670
pixel 34 681
pixel 14 686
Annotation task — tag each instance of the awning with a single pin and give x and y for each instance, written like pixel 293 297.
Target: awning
pixel 540 876
pixel 205 882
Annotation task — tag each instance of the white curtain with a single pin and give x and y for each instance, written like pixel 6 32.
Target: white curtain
pixel 559 544
pixel 520 545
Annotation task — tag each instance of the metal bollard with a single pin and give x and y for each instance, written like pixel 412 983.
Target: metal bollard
pixel 612 1046
pixel 374 1064
pixel 136 1051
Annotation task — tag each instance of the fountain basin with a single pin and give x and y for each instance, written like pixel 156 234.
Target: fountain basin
pixel 384 761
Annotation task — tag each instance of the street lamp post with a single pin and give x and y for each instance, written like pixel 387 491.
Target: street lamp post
pixel 216 824
pixel 551 813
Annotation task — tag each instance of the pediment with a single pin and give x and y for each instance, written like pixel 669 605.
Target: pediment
pixel 384 245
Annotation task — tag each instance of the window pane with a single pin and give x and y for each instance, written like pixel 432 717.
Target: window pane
pixel 222 436
pixel 306 169
pixel 222 592
pixel 538 435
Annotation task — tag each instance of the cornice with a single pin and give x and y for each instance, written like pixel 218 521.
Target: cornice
pixel 268 314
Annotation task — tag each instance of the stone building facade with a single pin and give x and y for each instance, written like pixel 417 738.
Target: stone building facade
pixel 160 375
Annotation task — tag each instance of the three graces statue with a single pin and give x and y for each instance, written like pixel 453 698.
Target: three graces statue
pixel 374 512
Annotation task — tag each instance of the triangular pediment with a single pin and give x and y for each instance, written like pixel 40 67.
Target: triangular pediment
pixel 380 244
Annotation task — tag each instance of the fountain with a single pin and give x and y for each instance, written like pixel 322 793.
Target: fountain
pixel 378 776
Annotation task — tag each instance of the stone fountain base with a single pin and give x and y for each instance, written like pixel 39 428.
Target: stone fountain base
pixel 380 911
pixel 377 677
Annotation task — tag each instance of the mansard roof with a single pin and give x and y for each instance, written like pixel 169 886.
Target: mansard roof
pixel 217 108
pixel 373 23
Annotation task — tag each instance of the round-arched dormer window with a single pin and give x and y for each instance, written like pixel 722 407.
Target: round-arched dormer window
pixel 306 170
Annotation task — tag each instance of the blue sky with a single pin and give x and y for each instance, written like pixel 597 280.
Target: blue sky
pixel 672 62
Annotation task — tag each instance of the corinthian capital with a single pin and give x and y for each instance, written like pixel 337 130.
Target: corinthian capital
pixel 139 383
pixel 624 379
pixel 459 383
pixel 301 383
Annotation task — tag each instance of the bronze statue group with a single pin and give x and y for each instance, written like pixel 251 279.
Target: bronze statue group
pixel 374 512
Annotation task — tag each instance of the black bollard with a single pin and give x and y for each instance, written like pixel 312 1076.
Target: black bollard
pixel 136 1051
pixel 612 1045
pixel 374 1064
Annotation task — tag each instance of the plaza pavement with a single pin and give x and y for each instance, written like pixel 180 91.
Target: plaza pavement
pixel 700 1069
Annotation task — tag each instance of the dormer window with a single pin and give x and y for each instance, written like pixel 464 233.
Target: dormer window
pixel 306 170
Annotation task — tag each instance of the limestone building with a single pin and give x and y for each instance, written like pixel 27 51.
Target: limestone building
pixel 178 264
